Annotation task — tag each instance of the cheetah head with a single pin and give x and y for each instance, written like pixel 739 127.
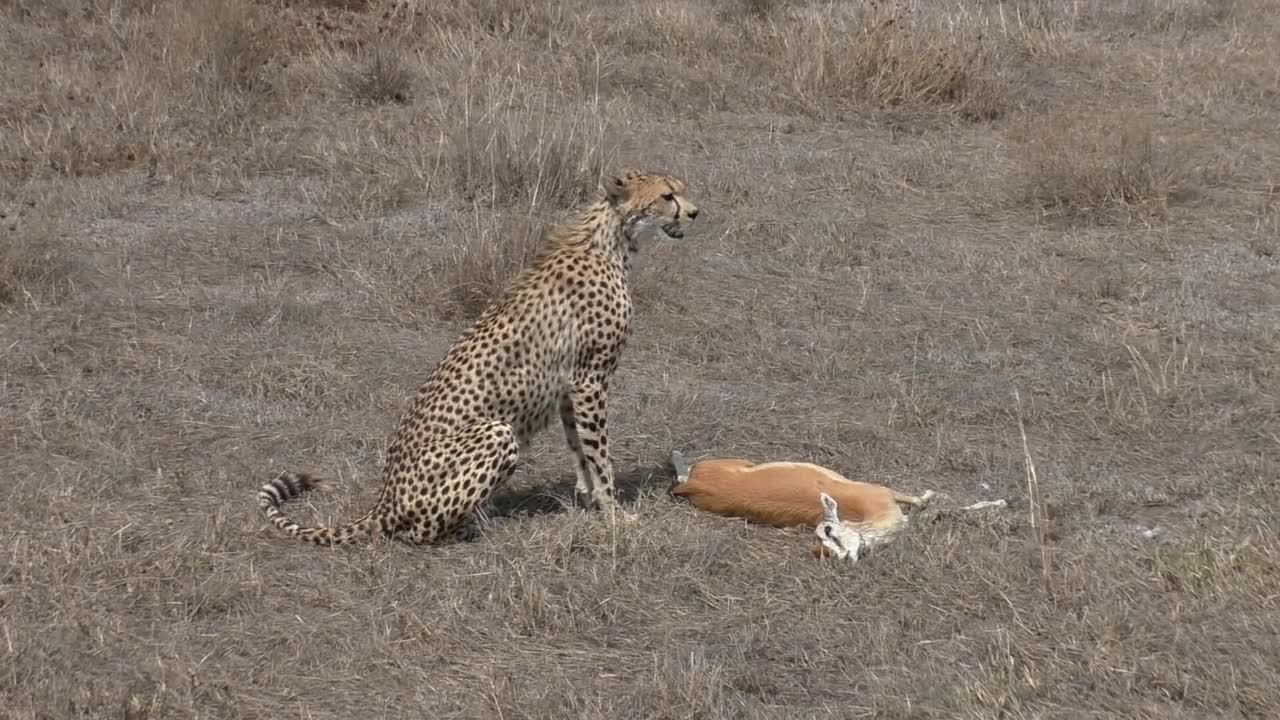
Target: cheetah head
pixel 650 201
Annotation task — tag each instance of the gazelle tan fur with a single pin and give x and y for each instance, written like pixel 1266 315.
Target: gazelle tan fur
pixel 788 494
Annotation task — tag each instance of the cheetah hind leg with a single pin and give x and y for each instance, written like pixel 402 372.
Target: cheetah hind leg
pixel 472 525
pixel 488 454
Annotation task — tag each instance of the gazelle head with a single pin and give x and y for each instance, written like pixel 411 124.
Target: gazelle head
pixel 836 539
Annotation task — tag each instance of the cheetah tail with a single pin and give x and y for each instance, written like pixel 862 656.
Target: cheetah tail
pixel 289 485
pixel 681 466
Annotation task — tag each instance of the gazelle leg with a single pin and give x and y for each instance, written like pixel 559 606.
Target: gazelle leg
pixel 913 500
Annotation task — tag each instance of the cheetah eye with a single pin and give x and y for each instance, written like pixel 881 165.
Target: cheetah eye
pixel 669 197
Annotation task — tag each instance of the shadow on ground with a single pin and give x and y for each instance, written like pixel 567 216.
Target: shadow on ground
pixel 556 497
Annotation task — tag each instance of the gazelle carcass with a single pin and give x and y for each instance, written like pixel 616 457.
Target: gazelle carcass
pixel 848 516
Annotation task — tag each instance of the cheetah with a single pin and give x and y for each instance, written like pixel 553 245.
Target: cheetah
pixel 547 346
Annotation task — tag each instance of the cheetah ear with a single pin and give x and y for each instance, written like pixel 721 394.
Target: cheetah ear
pixel 615 188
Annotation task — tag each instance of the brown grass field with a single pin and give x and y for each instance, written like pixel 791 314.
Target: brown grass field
pixel 235 236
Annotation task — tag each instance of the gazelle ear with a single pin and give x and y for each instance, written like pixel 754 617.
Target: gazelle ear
pixel 680 466
pixel 829 510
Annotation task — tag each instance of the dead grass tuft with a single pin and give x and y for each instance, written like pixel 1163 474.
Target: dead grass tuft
pixel 1214 564
pixel 888 58
pixel 1163 16
pixel 156 83
pixel 527 156
pixel 753 10
pixel 348 5
pixel 382 76
pixel 228 44
pixel 1088 165
pixel 35 265
pixel 485 254
pixel 511 19
pixel 1141 16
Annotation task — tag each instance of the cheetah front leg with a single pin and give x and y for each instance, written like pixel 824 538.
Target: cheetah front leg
pixel 584 487
pixel 589 424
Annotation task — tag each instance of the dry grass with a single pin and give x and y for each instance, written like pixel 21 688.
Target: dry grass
pixel 35 265
pixel 237 234
pixel 381 77
pixel 486 256
pixel 524 157
pixel 1089 165
pixel 888 58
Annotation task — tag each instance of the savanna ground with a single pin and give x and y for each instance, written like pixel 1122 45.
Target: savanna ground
pixel 236 235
